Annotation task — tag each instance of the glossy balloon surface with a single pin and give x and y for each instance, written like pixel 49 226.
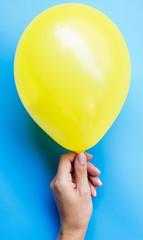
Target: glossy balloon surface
pixel 72 72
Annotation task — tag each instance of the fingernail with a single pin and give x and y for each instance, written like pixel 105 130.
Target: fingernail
pixel 94 192
pixel 81 158
pixel 99 182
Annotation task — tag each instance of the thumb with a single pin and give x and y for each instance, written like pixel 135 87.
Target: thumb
pixel 80 167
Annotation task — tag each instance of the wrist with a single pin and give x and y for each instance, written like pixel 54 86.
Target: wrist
pixel 68 233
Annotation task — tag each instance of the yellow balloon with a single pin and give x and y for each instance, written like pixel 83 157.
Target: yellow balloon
pixel 72 71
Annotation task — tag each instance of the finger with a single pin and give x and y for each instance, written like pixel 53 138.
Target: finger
pixel 88 155
pixel 92 170
pixel 80 167
pixel 92 190
pixel 95 181
pixel 65 164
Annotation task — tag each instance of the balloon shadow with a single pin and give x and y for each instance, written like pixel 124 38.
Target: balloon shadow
pixel 50 149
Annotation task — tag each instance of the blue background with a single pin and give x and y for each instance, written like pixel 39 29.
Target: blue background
pixel 29 157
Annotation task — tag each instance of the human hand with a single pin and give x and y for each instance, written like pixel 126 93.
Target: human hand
pixel 76 180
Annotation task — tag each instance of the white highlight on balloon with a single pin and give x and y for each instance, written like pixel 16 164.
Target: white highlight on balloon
pixel 70 39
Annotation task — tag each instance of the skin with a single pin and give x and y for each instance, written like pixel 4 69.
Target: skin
pixel 74 184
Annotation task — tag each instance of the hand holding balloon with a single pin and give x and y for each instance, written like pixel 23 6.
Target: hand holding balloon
pixel 72 72
pixel 76 180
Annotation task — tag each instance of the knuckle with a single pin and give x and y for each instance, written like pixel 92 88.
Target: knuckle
pixel 51 186
pixel 82 171
pixel 58 185
pixel 82 168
